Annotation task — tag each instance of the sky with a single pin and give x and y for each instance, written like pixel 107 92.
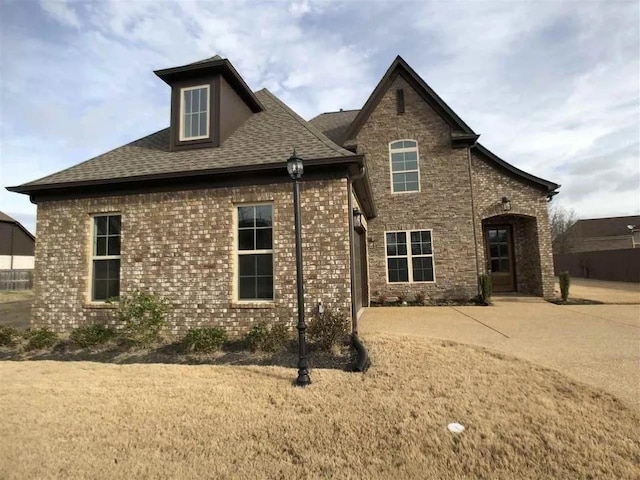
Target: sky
pixel 553 87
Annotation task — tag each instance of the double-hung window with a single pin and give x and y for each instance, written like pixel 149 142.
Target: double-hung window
pixel 405 172
pixel 105 262
pixel 255 252
pixel 409 256
pixel 194 113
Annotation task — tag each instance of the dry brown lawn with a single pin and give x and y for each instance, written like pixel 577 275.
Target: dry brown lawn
pixel 81 420
pixel 15 295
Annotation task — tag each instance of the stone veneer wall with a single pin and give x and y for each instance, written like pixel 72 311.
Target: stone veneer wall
pixel 181 245
pixel 443 204
pixel 529 215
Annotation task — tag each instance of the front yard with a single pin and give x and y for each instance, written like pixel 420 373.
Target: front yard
pixel 83 420
pixel 15 308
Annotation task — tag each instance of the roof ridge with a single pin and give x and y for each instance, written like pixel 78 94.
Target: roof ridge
pixel 313 130
pixel 340 111
pixel 37 180
pixel 605 218
pixel 6 218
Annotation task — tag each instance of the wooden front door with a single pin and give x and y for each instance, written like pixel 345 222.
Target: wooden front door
pixel 500 257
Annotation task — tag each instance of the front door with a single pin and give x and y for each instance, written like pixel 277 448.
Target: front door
pixel 500 258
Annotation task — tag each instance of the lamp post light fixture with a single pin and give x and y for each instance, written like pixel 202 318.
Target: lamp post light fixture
pixel 295 168
pixel 506 204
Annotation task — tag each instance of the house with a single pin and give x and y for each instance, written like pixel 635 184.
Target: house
pixel 600 249
pixel 398 197
pixel 594 234
pixel 16 245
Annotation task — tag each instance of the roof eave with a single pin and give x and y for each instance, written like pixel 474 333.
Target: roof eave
pixel 327 161
pixel 548 186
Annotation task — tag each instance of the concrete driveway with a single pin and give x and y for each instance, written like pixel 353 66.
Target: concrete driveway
pixel 595 344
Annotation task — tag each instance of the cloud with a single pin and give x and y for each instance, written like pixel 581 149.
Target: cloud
pixel 61 11
pixel 551 87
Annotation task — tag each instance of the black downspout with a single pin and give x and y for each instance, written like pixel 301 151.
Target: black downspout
pixel 362 360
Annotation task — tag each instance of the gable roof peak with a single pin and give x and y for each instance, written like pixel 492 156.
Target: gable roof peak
pixel 400 67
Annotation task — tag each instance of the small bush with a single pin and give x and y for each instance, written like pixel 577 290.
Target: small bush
pixel 8 336
pixel 267 337
pixel 421 298
pixel 565 283
pixel 143 315
pixel 92 335
pixel 204 340
pixel 486 287
pixel 328 330
pixel 40 338
pixel 402 298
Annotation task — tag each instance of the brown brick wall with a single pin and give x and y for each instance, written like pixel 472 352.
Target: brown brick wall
pixel 529 218
pixel 443 204
pixel 180 245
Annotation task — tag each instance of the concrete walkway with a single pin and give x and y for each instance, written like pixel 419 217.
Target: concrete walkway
pixel 602 291
pixel 595 344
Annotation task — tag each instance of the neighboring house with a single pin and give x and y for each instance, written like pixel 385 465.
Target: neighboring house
pixel 16 245
pixel 594 234
pixel 396 198
pixel 600 249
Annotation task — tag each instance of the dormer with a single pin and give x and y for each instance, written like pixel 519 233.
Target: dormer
pixel 209 101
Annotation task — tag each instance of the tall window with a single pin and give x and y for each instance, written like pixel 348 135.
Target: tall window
pixel 255 252
pixel 409 262
pixel 405 173
pixel 105 277
pixel 194 113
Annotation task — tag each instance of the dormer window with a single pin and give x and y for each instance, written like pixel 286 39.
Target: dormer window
pixel 209 102
pixel 194 113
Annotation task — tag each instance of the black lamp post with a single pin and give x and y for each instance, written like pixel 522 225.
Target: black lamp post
pixel 295 169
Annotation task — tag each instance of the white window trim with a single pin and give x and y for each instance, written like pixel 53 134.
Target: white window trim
pixel 403 150
pixel 237 252
pixel 181 137
pixel 93 256
pixel 409 256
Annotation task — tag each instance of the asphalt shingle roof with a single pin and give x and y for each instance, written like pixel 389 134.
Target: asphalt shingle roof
pixel 606 227
pixel 266 137
pixel 334 124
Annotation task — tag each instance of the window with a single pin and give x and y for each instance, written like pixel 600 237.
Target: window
pixel 194 113
pixel 409 262
pixel 105 276
pixel 255 252
pixel 405 174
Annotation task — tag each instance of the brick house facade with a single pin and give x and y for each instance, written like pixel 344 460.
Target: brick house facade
pixel 201 212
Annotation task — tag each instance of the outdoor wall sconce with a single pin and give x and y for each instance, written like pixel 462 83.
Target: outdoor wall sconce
pixel 506 204
pixel 295 169
pixel 357 220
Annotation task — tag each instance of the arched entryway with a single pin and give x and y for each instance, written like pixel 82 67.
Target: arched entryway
pixel 511 253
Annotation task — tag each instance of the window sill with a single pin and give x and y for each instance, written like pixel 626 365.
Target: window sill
pixel 252 305
pixel 100 305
